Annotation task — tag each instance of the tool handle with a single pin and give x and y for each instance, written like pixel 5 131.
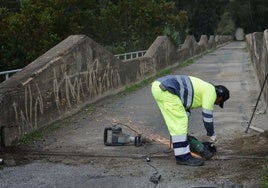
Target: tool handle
pixel 105 135
pixel 257 103
pixel 137 141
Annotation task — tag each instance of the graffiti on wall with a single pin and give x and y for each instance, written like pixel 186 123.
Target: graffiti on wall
pixel 27 119
pixel 68 89
pixel 84 85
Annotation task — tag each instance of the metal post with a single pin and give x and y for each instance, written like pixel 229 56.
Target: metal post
pixel 257 102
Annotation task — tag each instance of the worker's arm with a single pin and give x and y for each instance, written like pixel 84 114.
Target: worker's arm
pixel 208 121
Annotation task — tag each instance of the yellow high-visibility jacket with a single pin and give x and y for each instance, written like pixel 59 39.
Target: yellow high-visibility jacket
pixel 194 93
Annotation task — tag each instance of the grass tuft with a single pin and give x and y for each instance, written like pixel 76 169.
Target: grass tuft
pixel 38 134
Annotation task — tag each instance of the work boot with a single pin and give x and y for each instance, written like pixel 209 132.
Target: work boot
pixel 192 161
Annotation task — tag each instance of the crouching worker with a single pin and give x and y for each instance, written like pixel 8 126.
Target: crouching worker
pixel 175 96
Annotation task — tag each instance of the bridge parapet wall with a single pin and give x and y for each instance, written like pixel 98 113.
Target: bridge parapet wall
pixel 202 45
pixel 257 45
pixel 77 72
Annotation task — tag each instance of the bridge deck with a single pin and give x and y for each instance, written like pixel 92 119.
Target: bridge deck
pixel 81 140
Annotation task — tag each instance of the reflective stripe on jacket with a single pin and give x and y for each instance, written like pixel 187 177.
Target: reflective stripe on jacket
pixel 181 86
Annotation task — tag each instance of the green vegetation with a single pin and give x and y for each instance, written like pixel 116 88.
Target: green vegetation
pixel 28 28
pixel 186 63
pixel 226 26
pixel 265 178
pixel 121 26
pixel 250 15
pixel 145 82
pixel 90 109
pixel 203 15
pixel 38 134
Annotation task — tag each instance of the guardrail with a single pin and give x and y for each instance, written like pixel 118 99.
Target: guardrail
pixel 125 56
pixel 130 55
pixel 9 72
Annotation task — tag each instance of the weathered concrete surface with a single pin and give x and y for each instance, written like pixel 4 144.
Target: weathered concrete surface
pixel 258 49
pixel 75 156
pixel 239 34
pixel 59 83
pixel 76 72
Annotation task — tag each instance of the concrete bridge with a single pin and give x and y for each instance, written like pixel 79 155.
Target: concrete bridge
pixel 74 155
pixel 77 72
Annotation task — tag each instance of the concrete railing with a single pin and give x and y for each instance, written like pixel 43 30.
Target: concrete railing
pixel 124 57
pixel 77 72
pixel 258 44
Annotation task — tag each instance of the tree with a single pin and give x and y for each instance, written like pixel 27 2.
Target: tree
pixel 135 24
pixel 204 15
pixel 37 27
pixel 118 25
pixel 226 25
pixel 251 15
pixel 12 5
